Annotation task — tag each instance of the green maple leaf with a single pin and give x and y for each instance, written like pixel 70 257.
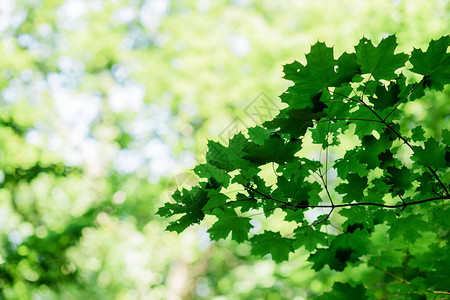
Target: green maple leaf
pixel 433 155
pixel 344 249
pixel 336 260
pixel 272 243
pixel 300 167
pixel 320 259
pixel 295 100
pixel 386 158
pixel 427 185
pixel 258 135
pixel 316 75
pixel 380 61
pixel 228 158
pixel 344 291
pixel 313 104
pixel 402 227
pixel 372 148
pixel 313 194
pixel 438 276
pixel 257 189
pixel 354 189
pixel 244 202
pixel 296 191
pixel 228 221
pixel 386 97
pixel 211 171
pixel 265 153
pixel 356 240
pixel 295 123
pixel 440 217
pixel 215 199
pixel 326 133
pixel 346 68
pixel 189 203
pixel 357 218
pixel 321 71
pixel 379 188
pixel 309 238
pixel 333 120
pixel 399 178
pixel 350 164
pixel 418 134
pixel 332 102
pixel 369 124
pixel 338 105
pixel 295 215
pixel 434 64
pixel 387 258
pixel 446 136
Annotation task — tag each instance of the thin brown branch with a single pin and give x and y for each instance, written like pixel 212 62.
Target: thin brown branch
pixel 326 189
pixel 314 223
pixel 385 118
pixel 378 204
pixel 384 284
pixel 228 203
pixel 404 140
pixel 360 100
pixel 365 87
pixel 332 205
pixel 346 119
pixel 438 292
pixel 269 197
pixel 394 296
pixel 405 281
pixel 263 212
pixel 388 273
pixel 439 180
pixel 346 97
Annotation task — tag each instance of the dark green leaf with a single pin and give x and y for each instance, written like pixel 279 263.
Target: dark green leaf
pixel 211 171
pixel 189 203
pixel 380 61
pixel 386 97
pixel 258 135
pixel 265 153
pixel 434 63
pixel 272 243
pixel 418 134
pixel 354 189
pixel 228 158
pixel 344 291
pixel 228 222
pixel 309 238
pixel 433 155
pixel 403 227
pixel 295 123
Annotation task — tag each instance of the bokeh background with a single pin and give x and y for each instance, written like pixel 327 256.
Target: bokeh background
pixel 106 105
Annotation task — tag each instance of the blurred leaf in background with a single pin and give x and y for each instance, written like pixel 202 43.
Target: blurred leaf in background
pixel 106 104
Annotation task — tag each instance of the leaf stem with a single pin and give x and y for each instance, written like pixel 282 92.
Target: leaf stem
pixel 404 281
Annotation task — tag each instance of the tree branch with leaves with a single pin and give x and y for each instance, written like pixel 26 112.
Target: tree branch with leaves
pixel 393 181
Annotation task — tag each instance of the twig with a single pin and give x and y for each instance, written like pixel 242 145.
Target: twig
pixel 404 140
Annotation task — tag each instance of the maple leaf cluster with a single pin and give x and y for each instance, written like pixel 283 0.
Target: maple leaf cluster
pixel 392 188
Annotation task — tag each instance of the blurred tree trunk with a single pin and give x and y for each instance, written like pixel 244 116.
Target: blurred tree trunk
pixel 182 278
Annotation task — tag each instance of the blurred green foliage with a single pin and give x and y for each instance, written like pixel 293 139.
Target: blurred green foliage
pixel 104 102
